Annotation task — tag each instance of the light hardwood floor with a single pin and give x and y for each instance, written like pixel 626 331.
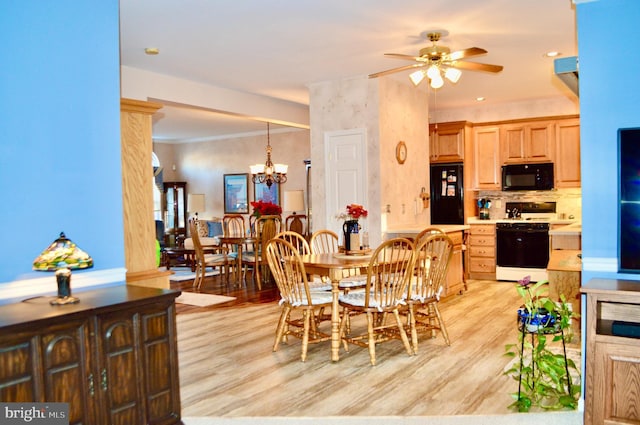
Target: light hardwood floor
pixel 227 368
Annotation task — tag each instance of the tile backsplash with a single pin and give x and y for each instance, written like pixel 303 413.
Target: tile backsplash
pixel 568 201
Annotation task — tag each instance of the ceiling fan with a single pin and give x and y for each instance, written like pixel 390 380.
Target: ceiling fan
pixel 437 59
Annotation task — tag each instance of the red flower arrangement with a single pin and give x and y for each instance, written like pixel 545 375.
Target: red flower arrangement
pixel 261 208
pixel 356 211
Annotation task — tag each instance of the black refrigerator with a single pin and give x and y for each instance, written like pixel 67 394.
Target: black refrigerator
pixel 447 194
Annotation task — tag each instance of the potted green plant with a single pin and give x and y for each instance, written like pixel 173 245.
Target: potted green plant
pixel 544 377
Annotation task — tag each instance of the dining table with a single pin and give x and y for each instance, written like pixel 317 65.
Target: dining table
pixel 333 265
pixel 238 242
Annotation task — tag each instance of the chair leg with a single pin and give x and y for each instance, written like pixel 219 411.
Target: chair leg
pixel 197 282
pixel 372 338
pixel 411 321
pixel 403 334
pixel 281 325
pixel 443 328
pixel 306 314
pixel 343 325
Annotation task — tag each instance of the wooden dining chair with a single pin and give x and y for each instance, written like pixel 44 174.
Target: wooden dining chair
pixel 217 259
pixel 433 256
pixel 296 296
pixel 324 241
pixel 425 233
pixel 388 275
pixel 266 227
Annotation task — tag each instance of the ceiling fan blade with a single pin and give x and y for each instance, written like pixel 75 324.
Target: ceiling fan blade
pixel 407 57
pixel 465 53
pixel 474 66
pixel 391 71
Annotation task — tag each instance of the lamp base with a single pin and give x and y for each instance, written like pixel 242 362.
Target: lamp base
pixel 64 301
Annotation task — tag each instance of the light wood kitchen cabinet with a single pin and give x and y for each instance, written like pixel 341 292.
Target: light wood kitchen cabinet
pixel 482 251
pixel 112 357
pixel 447 141
pixel 567 162
pixel 487 171
pixel 612 385
pixel 528 142
pixel 455 278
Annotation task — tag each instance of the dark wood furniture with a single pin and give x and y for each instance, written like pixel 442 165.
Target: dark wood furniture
pixel 112 357
pixel 174 209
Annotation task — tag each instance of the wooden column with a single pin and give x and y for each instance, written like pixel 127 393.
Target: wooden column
pixel 137 194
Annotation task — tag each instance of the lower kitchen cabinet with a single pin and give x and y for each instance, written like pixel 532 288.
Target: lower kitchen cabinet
pixel 112 357
pixel 455 278
pixel 482 251
pixel 612 384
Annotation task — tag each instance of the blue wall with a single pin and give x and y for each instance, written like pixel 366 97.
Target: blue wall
pixel 608 34
pixel 60 121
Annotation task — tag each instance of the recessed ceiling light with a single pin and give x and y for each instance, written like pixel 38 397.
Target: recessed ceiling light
pixel 552 54
pixel 480 99
pixel 152 50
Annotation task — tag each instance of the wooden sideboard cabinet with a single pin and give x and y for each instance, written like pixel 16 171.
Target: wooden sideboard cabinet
pixel 112 357
pixel 612 389
pixel 482 251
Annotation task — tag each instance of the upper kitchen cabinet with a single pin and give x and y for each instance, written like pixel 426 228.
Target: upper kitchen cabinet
pixel 568 153
pixel 486 141
pixel 528 142
pixel 447 141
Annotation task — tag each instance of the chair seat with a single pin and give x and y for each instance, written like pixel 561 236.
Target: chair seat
pixel 357 281
pixel 358 299
pixel 214 259
pixel 317 299
pixel 317 284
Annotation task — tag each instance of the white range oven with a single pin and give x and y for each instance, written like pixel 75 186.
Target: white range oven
pixel 522 241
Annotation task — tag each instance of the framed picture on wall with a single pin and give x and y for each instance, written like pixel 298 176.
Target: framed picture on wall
pixel 236 193
pixel 262 192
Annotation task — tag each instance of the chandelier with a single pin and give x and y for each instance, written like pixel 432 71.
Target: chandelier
pixel 268 172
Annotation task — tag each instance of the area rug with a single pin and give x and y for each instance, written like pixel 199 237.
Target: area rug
pixel 202 300
pixel 181 274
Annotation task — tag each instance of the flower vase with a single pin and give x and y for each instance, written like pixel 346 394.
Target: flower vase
pixel 351 230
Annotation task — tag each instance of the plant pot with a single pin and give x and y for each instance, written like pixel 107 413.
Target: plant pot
pixel 541 321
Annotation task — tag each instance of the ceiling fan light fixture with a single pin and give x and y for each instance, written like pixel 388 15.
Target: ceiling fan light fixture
pixel 433 72
pixel 417 77
pixel 453 74
pixel 437 82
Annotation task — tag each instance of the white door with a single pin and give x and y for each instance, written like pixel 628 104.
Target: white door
pixel 345 154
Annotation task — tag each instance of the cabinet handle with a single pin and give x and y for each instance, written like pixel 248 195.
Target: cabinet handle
pixel 92 390
pixel 103 383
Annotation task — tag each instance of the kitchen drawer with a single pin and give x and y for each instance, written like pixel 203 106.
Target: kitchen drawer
pixel 482 265
pixel 482 251
pixel 483 229
pixel 482 240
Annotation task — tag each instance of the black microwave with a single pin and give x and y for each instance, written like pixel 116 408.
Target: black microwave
pixel 527 176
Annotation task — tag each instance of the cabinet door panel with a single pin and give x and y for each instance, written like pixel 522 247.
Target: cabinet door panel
pixel 616 384
pixel 568 154
pixel 18 369
pixel 487 156
pixel 539 148
pixel 514 150
pixel 119 373
pixel 161 365
pixel 67 374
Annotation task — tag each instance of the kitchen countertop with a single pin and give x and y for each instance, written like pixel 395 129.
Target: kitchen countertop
pixel 571 229
pixel 476 220
pixel 415 229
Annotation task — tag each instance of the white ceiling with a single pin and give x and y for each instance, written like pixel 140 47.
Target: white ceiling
pixel 277 48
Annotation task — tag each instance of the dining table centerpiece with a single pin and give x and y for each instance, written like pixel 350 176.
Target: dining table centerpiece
pixel 261 208
pixel 351 226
